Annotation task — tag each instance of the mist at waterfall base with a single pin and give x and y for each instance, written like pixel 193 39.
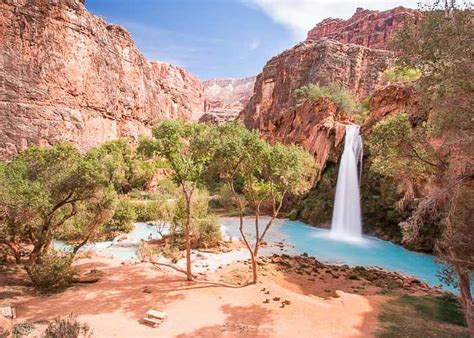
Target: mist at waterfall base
pixel 346 222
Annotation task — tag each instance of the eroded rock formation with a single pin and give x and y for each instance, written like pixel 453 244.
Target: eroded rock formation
pixel 273 108
pixel 66 74
pixel 367 28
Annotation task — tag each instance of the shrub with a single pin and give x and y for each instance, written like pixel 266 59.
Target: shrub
pixel 67 327
pixel 22 329
pixel 165 188
pixel 209 231
pixel 146 210
pixel 123 218
pixel 146 252
pixel 52 271
pixel 402 74
pixel 343 97
pixel 226 197
pixel 172 253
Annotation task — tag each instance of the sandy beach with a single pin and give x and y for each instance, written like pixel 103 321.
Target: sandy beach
pixel 116 304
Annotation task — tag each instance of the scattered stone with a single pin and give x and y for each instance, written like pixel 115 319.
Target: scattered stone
pixel 276 299
pixel 263 289
pixel 267 292
pixel 147 289
pixel 266 301
pixel 286 302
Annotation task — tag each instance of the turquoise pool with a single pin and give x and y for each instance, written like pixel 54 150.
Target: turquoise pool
pixel 298 238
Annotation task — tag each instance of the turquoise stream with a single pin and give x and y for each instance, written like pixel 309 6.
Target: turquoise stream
pixel 299 238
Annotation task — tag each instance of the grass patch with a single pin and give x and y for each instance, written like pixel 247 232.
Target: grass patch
pixel 427 316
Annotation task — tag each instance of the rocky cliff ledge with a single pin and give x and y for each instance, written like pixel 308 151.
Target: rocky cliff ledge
pixel 368 28
pixel 68 75
pixel 273 108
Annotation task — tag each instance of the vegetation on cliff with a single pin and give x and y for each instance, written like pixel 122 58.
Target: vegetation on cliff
pixel 344 99
pixel 430 157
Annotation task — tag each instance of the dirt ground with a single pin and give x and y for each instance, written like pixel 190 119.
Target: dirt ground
pixel 116 304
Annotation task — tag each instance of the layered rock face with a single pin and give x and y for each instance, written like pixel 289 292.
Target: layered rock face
pixel 225 98
pixel 367 28
pixel 68 75
pixel 273 108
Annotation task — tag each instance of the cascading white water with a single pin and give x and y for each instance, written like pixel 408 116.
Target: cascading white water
pixel 346 218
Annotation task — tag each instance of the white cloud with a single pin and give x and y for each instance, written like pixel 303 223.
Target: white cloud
pixel 254 44
pixel 301 15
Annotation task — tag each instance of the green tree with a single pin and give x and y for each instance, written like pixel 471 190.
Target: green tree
pixel 441 47
pixel 188 149
pixel 44 190
pixel 123 218
pixel 205 229
pixel 123 166
pixel 259 173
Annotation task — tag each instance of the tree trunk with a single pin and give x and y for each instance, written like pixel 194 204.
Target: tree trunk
pixel 254 267
pixel 257 231
pixel 247 244
pixel 188 239
pixel 465 286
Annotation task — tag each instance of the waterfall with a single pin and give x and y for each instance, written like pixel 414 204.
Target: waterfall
pixel 346 218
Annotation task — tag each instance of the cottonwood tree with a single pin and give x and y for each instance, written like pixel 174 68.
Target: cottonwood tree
pixel 188 149
pixel 259 173
pixel 43 192
pixel 441 47
pixel 123 166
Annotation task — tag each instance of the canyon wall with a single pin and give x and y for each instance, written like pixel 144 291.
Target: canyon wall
pixel 373 29
pixel 66 74
pixel 273 108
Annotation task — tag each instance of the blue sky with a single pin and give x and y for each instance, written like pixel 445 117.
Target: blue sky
pixel 223 38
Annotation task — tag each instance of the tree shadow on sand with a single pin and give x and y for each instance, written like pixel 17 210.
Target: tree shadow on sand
pixel 245 321
pixel 122 288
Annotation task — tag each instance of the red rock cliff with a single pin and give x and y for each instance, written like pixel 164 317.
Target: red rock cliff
pixel 273 109
pixel 66 74
pixel 367 28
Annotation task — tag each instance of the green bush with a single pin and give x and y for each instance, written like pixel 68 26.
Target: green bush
pixel 209 231
pixel 165 188
pixel 67 327
pixel 123 218
pixel 343 97
pixel 52 271
pixel 146 210
pixel 205 228
pixel 402 74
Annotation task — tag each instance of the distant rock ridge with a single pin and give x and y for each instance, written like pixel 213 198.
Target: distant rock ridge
pixel 373 29
pixel 66 74
pixel 226 97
